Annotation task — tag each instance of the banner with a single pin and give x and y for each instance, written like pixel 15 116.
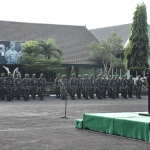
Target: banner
pixel 10 52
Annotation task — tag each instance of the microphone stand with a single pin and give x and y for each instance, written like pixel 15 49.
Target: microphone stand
pixel 65 117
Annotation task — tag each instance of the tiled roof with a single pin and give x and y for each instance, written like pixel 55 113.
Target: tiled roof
pixel 121 30
pixel 72 40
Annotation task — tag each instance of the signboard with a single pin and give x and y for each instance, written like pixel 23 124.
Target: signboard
pixel 10 52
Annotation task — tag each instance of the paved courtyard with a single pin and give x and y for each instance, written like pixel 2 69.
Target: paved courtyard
pixel 36 125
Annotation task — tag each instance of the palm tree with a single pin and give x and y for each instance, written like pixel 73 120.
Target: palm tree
pixel 49 49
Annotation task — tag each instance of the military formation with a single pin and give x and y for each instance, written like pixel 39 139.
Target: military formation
pixel 87 87
pixel 15 88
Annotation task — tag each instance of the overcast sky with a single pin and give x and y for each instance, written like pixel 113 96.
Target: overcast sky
pixel 92 13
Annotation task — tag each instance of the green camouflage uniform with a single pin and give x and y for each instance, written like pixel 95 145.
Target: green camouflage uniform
pixel 34 82
pixel 109 92
pixel 117 86
pixel 99 87
pixel 105 86
pixel 9 86
pixel 63 88
pixel 131 86
pixel 73 87
pixel 79 87
pixel 138 84
pixel 125 87
pixel 2 86
pixel 57 86
pixel 86 84
pixel 113 87
pixel 92 86
pixel 121 86
pixel 26 87
pixel 18 87
pixel 41 86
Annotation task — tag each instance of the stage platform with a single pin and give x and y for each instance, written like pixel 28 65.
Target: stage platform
pixel 131 124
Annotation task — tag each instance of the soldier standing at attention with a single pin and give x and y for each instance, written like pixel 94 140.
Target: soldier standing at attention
pixel 2 86
pixel 92 86
pixel 63 90
pixel 131 86
pixel 26 87
pixel 125 87
pixel 73 86
pixel 18 86
pixel 117 86
pixel 105 86
pixel 99 86
pixel 109 93
pixel 79 87
pixel 41 86
pixel 86 84
pixel 57 86
pixel 113 86
pixel 9 86
pixel 138 84
pixel 121 86
pixel 83 90
pixel 33 86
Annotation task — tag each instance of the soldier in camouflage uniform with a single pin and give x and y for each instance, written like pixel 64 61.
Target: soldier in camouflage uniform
pixel 63 88
pixel 41 86
pixel 26 87
pixel 92 86
pixel 34 86
pixel 9 86
pixel 2 86
pixel 109 93
pixel 138 84
pixel 99 87
pixel 79 87
pixel 105 86
pixel 57 86
pixel 13 88
pixel 18 86
pixel 83 90
pixel 113 87
pixel 131 86
pixel 125 87
pixel 73 86
pixel 85 85
pixel 117 86
pixel 121 85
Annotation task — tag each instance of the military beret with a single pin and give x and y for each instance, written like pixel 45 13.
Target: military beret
pixel 26 75
pixel 79 75
pixel 9 72
pixel 91 75
pixel 33 75
pixel 41 74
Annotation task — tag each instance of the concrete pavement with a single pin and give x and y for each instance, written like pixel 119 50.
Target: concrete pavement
pixel 36 125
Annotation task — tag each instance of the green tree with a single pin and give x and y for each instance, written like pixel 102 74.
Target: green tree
pixel 136 54
pixel 106 51
pixel 40 55
pixel 72 71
